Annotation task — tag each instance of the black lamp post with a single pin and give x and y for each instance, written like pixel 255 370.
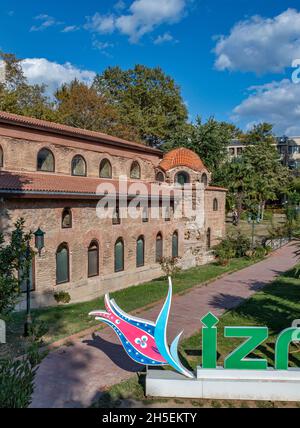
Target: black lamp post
pixel 39 245
pixel 28 321
pixel 253 219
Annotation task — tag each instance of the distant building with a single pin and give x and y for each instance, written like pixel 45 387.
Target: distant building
pixel 288 149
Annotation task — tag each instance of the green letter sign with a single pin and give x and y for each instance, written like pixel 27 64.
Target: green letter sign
pixel 282 347
pixel 237 359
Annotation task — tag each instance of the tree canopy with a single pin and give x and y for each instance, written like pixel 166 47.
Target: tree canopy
pixel 82 106
pixel 209 140
pixel 254 178
pixel 18 96
pixel 148 100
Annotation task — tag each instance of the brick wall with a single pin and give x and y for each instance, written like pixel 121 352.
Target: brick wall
pixel 87 227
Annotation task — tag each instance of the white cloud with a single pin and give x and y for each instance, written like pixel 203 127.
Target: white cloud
pixel 143 17
pixel 276 102
pixel 103 24
pixel 46 21
pixel 52 74
pixel 70 29
pixel 103 46
pixel 164 38
pixel 260 44
pixel 120 5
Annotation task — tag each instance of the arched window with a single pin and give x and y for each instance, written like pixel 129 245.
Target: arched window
pixel 1 156
pixel 119 255
pixel 93 259
pixel 62 264
pixel 160 177
pixel 78 166
pixel 140 252
pixel 135 171
pixel 45 161
pixel 175 244
pixel 182 178
pixel 208 238
pixel 159 248
pixel 105 169
pixel 215 205
pixel 66 218
pixel 204 179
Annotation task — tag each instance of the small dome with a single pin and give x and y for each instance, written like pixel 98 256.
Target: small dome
pixel 182 157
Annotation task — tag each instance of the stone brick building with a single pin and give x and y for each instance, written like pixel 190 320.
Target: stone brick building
pixel 50 175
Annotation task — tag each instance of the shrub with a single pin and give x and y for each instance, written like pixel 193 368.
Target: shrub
pixel 233 246
pixel 224 252
pixel 259 252
pixel 16 383
pixel 62 297
pixel 169 265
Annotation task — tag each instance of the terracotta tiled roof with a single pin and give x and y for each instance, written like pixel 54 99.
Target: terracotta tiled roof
pixel 57 128
pixel 182 157
pixel 33 183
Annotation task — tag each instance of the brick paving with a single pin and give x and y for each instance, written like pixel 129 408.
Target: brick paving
pixel 73 376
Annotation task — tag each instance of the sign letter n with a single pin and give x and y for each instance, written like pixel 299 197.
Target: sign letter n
pixel 237 359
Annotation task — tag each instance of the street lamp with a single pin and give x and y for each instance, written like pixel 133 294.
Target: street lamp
pixel 253 219
pixel 39 240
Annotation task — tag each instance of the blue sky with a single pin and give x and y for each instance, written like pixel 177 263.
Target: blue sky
pixel 215 49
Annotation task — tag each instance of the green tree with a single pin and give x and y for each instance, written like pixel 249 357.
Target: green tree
pixel 235 176
pixel 269 178
pixel 261 132
pixel 12 261
pixel 81 106
pixel 209 140
pixel 147 99
pixel 19 97
pixel 254 178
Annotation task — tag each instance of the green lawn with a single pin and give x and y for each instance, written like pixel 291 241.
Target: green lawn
pixel 64 321
pixel 261 231
pixel 277 306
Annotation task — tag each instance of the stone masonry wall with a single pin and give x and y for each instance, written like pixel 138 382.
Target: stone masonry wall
pixel 87 227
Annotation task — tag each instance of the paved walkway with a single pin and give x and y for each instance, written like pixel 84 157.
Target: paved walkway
pixel 73 376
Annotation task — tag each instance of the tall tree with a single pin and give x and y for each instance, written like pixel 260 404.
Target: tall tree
pixel 147 99
pixel 209 140
pixel 269 176
pixel 18 96
pixel 81 106
pixel 254 178
pixel 261 132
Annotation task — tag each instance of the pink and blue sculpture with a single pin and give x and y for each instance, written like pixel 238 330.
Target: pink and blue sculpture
pixel 144 341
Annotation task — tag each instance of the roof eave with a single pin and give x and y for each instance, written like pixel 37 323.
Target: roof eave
pixel 124 144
